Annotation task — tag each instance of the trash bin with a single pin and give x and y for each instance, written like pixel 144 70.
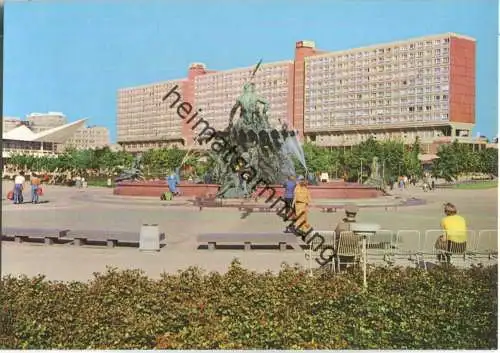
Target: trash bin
pixel 150 238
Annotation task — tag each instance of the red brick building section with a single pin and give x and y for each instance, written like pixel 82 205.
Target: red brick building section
pixel 303 49
pixel 188 88
pixel 462 80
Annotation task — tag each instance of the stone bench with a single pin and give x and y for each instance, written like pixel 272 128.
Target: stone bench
pixel 110 238
pixel 49 235
pixel 329 208
pixel 257 208
pixel 247 239
pixel 207 202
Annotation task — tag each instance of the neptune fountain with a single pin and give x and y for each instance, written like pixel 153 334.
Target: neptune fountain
pixel 260 153
pixel 258 147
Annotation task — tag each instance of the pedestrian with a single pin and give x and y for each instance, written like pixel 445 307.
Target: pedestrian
pixel 78 182
pixel 19 181
pixel 35 185
pixel 301 202
pixel 172 183
pixel 289 186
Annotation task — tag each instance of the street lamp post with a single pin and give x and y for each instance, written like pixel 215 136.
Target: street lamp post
pixel 383 171
pixel 361 172
pixel 364 231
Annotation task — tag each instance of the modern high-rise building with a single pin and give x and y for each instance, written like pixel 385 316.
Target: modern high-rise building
pixel 88 137
pixel 423 87
pixel 143 122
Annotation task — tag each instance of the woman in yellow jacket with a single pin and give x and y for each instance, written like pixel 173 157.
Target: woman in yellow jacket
pixel 301 201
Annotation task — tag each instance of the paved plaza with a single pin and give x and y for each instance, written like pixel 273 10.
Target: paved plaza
pixel 97 209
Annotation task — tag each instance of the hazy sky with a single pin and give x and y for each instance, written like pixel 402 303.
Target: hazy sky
pixel 72 56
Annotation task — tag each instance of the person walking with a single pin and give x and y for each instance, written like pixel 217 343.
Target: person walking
pixel 289 186
pixel 35 185
pixel 172 184
pixel 19 181
pixel 301 201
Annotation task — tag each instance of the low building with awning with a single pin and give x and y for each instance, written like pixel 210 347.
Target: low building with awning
pixel 23 140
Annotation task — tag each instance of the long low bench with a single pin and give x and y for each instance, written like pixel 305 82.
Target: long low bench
pixel 247 239
pixel 108 237
pixel 49 235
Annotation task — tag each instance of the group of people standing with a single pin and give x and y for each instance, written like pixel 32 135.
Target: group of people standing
pixel 19 184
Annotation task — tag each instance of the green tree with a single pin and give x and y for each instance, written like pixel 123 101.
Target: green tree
pixel 412 165
pixel 448 164
pixel 392 159
pixel 161 161
pixel 488 161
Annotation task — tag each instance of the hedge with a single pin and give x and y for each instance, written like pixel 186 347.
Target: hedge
pixel 404 308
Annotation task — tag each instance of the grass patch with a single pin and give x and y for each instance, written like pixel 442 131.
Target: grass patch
pixel 490 184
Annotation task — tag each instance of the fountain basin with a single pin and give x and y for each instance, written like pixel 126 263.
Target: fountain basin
pixel 338 190
pixel 334 190
pixel 156 188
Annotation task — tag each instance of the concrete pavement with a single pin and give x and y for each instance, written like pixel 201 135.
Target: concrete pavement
pixel 66 208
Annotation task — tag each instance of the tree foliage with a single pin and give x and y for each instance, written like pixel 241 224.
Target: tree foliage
pixel 457 158
pixel 351 163
pixel 444 308
pixel 103 161
pixel 354 162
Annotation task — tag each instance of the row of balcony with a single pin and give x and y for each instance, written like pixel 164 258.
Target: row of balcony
pixel 358 89
pixel 345 121
pixel 377 67
pixel 326 81
pixel 314 64
pixel 408 47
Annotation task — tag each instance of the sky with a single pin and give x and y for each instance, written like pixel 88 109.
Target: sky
pixel 72 56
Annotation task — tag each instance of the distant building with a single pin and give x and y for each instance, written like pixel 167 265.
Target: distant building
pixel 39 122
pixel 10 123
pixel 24 141
pixel 422 87
pixel 88 137
pixel 114 147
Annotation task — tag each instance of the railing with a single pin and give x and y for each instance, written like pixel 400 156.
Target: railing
pixel 419 247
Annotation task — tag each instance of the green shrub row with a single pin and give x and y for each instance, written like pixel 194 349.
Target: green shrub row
pixel 444 308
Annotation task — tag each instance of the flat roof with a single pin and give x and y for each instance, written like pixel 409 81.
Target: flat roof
pixel 149 85
pixel 58 134
pixel 382 45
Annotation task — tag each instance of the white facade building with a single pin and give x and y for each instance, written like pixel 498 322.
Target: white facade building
pixel 23 140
